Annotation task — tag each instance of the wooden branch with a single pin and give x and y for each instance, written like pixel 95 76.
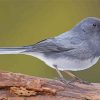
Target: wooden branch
pixel 15 86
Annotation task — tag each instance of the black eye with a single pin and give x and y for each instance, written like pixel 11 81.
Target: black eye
pixel 94 25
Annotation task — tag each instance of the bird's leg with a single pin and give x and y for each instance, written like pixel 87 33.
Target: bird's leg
pixel 72 75
pixel 61 78
pixel 75 78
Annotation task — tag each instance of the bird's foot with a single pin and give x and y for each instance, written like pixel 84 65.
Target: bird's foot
pixel 62 80
pixel 71 83
pixel 66 82
pixel 76 79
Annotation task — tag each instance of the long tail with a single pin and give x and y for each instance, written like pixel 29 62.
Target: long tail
pixel 12 50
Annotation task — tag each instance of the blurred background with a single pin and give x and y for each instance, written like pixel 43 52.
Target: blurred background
pixel 25 22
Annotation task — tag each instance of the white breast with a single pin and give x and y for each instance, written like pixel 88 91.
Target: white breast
pixel 66 63
pixel 73 65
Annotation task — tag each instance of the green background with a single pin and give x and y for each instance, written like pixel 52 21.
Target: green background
pixel 25 22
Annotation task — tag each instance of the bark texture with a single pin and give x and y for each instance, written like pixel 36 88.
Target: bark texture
pixel 15 86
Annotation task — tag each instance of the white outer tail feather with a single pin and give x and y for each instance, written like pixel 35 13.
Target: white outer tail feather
pixel 11 50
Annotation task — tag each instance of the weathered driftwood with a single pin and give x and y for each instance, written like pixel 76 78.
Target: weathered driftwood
pixel 15 86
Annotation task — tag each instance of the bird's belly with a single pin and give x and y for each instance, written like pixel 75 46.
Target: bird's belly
pixel 71 64
pixel 66 63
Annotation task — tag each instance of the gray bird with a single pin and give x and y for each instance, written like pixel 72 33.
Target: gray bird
pixel 74 50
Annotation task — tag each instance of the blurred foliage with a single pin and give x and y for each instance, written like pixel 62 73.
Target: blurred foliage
pixel 25 22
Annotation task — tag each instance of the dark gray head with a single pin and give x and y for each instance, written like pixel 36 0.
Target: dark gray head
pixel 89 25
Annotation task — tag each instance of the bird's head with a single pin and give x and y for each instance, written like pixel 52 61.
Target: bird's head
pixel 89 25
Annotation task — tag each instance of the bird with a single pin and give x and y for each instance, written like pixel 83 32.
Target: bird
pixel 74 50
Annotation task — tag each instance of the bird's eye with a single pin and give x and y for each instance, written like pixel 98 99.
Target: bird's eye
pixel 94 25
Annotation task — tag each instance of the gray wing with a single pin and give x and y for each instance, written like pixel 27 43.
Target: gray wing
pixel 69 44
pixel 48 45
pixel 55 44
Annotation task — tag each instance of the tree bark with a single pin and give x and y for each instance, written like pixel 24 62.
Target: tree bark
pixel 15 86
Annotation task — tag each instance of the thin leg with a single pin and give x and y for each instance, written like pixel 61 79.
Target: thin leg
pixel 72 75
pixel 75 78
pixel 60 75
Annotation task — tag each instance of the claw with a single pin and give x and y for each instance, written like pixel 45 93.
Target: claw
pixel 63 80
pixel 67 83
pixel 79 80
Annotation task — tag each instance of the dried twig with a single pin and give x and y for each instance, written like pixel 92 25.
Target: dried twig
pixel 15 86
